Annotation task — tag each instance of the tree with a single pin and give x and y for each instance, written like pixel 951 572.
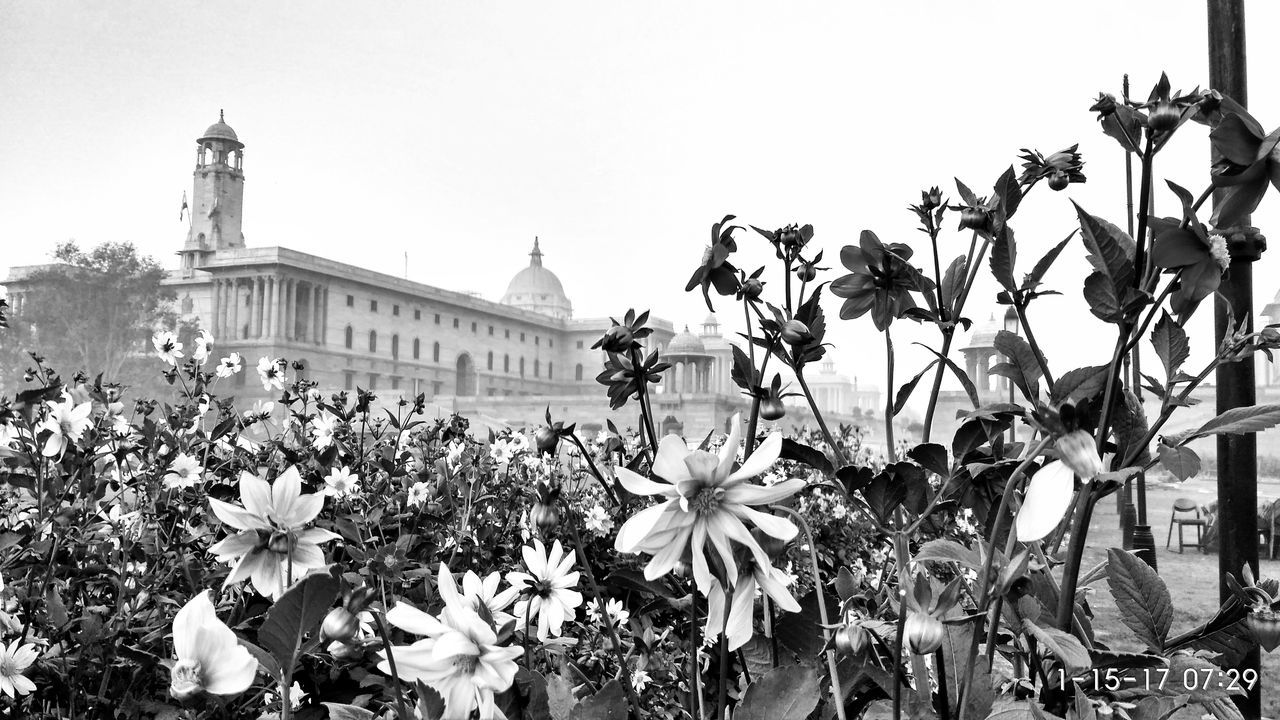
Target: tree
pixel 93 311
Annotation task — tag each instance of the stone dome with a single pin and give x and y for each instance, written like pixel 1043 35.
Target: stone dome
pixel 984 334
pixel 220 131
pixel 686 343
pixel 538 289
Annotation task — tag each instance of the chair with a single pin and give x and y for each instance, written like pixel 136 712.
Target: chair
pixel 1186 512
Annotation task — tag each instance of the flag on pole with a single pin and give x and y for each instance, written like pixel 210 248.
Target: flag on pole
pixel 183 211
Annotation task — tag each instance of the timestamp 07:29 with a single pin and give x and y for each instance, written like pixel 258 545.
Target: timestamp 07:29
pixel 1163 678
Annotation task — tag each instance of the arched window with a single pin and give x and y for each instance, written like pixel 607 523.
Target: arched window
pixel 490 359
pixel 373 341
pixel 417 348
pixel 395 347
pixel 521 367
pixel 577 372
pixel 435 352
pixel 549 368
pixel 350 337
pixel 506 363
pixel 537 365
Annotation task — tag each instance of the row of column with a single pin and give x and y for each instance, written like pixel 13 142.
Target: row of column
pixel 267 307
pixel 695 375
pixel 978 364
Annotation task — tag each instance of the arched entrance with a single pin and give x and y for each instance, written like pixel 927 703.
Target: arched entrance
pixel 466 376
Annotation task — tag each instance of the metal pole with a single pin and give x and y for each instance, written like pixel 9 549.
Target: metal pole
pixel 1237 454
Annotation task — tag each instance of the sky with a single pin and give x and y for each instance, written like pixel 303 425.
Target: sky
pixel 615 132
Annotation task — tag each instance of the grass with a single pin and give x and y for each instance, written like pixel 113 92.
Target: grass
pixel 1192 577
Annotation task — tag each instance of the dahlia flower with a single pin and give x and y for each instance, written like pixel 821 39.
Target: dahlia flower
pixel 476 592
pixel 459 657
pixel 706 502
pixel 66 422
pixel 184 472
pixel 15 659
pixel 341 483
pixel 204 346
pixel 271 548
pixel 271 373
pixel 210 658
pixel 548 585
pixel 167 347
pixel 228 366
pixel 1047 500
pixel 737 628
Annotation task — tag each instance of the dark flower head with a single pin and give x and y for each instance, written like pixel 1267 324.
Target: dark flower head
pixel 750 286
pixel 623 377
pixel 787 241
pixel 880 281
pixel 1062 165
pixel 716 270
pixel 1248 159
pixel 625 335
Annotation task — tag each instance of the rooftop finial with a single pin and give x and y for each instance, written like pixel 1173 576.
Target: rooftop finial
pixel 536 255
pixel 221 117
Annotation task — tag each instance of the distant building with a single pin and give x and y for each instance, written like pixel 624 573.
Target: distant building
pixel 498 362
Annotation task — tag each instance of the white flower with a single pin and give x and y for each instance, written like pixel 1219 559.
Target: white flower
pixel 454 451
pixel 476 592
pixel 228 366
pixel 271 373
pixel 459 658
pixel 14 659
pixel 210 658
pixel 322 427
pixel 67 422
pixel 597 520
pixel 277 512
pixel 295 696
pixel 419 493
pixel 1048 498
pixel 640 679
pixel 167 347
pixel 1218 249
pixel 261 410
pixel 341 482
pixel 184 472
pixel 613 608
pixel 548 585
pixel 204 346
pixel 706 503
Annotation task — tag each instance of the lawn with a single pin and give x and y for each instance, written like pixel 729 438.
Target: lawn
pixel 1192 577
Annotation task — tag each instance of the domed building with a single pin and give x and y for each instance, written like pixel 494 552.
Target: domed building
pixel 538 289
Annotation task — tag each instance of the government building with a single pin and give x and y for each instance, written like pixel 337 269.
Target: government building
pixel 500 363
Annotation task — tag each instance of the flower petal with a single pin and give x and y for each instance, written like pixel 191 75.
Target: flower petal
pixel 729 451
pixel 762 459
pixel 637 485
pixel 1048 498
pixel 669 462
pixel 748 494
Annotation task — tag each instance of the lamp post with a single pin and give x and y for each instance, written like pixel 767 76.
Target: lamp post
pixel 1011 325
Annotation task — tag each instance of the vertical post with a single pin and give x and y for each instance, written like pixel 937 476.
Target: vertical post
pixel 315 313
pixel 1237 454
pixel 273 307
pixel 217 307
pixel 255 316
pixel 289 308
pixel 236 332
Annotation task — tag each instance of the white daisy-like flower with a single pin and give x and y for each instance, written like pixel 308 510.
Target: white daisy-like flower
pixel 341 483
pixel 271 373
pixel 229 365
pixel 640 679
pixel 322 427
pixel 597 520
pixel 167 347
pixel 210 658
pixel 66 422
pixel 614 608
pixel 548 586
pixel 14 660
pixel 1047 500
pixel 419 493
pixel 204 347
pixel 1219 250
pixel 184 472
pixel 476 592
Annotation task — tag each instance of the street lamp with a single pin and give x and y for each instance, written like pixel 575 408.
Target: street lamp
pixel 1011 325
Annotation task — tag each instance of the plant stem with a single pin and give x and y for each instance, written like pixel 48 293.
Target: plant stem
pixel 822 424
pixel 947 335
pixel 1075 551
pixel 897 652
pixel 944 703
pixel 646 412
pixel 391 662
pixel 891 451
pixel 836 690
pixel 1021 310
pixel 722 693
pixel 594 470
pixel 752 421
pixel 695 692
pixel 632 700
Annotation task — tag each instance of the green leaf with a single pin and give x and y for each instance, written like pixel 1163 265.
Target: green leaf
pixel 1004 254
pixel 970 389
pixel 904 392
pixel 792 450
pixel 1170 342
pixel 1130 427
pixel 1239 421
pixel 610 703
pixel 1103 299
pixel 790 692
pixel 801 632
pixel 295 615
pixel 942 550
pixel 1110 248
pixel 952 281
pixel 932 457
pixel 1033 279
pixel 1141 597
pixel 341 711
pixel 1063 646
pixel 1080 384
pixel 1158 708
pixel 266 663
pixel 846 585
pixel 560 699
pixel 1022 367
pixel 1182 462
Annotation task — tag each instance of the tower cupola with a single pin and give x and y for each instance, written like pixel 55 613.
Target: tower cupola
pixel 217 196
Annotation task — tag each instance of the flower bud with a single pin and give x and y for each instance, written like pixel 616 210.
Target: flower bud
pixel 975 218
pixel 546 440
pixel 1058 180
pixel 806 272
pixel 544 517
pixel 1080 454
pixel 923 632
pixel 930 199
pixel 795 332
pixel 339 625
pixel 751 289
pixel 617 339
pixel 772 409
pixel 1164 117
pixel 852 639
pixel 280 543
pixel 1265 626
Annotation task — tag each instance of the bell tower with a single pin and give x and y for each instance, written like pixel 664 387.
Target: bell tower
pixel 217 196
